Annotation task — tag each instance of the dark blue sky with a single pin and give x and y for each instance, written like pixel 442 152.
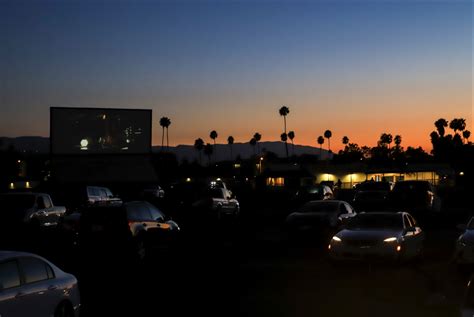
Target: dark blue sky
pixel 357 67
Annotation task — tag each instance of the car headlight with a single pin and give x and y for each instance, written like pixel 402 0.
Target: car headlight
pixel 391 239
pixel 336 239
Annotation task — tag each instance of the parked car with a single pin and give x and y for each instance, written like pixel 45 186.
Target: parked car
pixel 313 192
pixel 371 196
pixel 154 191
pixel 101 196
pixel 378 235
pixel 415 196
pixel 320 216
pixel 135 226
pixel 464 251
pixel 32 286
pixel 218 201
pixel 32 209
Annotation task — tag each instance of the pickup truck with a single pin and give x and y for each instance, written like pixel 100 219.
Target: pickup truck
pixel 219 201
pixel 36 209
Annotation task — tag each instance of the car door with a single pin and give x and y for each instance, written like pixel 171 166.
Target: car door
pixel 409 237
pixel 51 216
pixel 41 295
pixel 12 304
pixel 419 235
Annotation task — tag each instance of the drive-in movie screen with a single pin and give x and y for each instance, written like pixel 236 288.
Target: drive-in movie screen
pixel 100 131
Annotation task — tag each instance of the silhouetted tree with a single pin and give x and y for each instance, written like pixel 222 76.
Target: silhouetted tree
pixel 165 122
pixel 230 141
pixel 458 125
pixel 466 134
pixel 398 140
pixel 284 111
pixel 208 150
pixel 320 142
pixel 284 138
pixel 328 135
pixel 385 140
pixel 345 140
pixel 257 136
pixel 291 136
pixel 213 136
pixel 253 143
pixel 441 125
pixel 199 146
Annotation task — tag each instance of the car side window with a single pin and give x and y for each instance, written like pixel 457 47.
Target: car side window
pixel 40 203
pixel 156 214
pixel 47 202
pixel 34 270
pixel 413 221
pixel 9 275
pixel 103 193
pixel 407 221
pixel 108 193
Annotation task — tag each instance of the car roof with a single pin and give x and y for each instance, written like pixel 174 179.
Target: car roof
pixel 5 255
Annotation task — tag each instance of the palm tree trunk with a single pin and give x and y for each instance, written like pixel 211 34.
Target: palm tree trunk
pixel 200 158
pixel 329 144
pixel 284 120
pixel 167 139
pixel 163 138
pixel 293 147
pixel 231 156
pixel 321 152
pixel 286 148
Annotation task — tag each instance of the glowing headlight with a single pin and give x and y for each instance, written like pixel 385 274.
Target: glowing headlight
pixel 336 239
pixel 391 239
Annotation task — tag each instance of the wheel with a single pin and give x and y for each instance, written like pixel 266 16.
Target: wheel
pixel 64 309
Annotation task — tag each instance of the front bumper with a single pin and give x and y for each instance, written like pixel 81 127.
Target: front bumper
pixel 379 251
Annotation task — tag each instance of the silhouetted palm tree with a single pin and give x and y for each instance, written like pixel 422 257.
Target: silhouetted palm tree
pixel 257 136
pixel 253 143
pixel 284 111
pixel 208 150
pixel 284 138
pixel 345 140
pixel 458 124
pixel 291 136
pixel 213 136
pixel 230 141
pixel 199 146
pixel 386 139
pixel 440 125
pixel 320 142
pixel 466 134
pixel 165 123
pixel 398 140
pixel 328 135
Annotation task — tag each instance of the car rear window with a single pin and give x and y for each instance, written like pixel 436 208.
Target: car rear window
pixel 320 206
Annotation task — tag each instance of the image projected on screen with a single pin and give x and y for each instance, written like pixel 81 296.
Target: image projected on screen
pixel 100 131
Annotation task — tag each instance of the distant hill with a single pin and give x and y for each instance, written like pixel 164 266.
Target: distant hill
pixel 244 150
pixel 32 144
pixel 36 144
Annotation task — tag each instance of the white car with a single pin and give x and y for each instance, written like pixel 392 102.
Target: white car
pixel 32 286
pixel 378 235
pixel 464 253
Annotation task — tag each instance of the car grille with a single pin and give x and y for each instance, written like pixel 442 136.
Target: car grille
pixel 361 243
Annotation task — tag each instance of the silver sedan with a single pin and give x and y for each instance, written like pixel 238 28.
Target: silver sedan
pixel 32 286
pixel 378 235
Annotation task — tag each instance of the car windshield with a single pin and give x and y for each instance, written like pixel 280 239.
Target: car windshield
pixel 320 206
pixel 376 221
pixel 20 201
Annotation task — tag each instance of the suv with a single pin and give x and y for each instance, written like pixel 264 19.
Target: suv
pixel 415 196
pixel 137 225
pixel 219 201
pixel 101 196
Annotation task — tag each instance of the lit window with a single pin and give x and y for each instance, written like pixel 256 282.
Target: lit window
pixel 275 181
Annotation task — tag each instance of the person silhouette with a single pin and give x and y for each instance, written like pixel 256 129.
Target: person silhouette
pixel 339 183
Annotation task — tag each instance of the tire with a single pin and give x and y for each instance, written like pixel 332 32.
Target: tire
pixel 64 309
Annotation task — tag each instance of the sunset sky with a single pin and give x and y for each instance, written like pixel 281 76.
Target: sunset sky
pixel 358 68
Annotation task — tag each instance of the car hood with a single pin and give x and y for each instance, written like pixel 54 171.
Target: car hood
pixel 380 234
